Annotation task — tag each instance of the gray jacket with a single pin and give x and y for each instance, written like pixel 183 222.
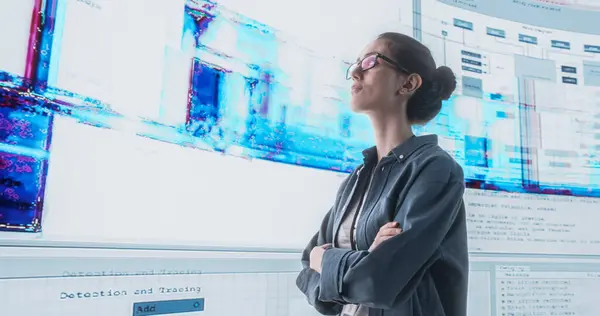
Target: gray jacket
pixel 421 272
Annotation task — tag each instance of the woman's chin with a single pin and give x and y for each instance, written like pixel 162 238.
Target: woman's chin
pixel 358 107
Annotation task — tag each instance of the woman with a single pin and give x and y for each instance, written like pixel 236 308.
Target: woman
pixel 395 242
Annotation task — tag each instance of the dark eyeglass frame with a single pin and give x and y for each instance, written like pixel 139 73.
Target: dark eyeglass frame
pixel 358 64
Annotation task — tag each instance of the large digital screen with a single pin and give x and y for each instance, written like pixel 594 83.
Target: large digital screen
pixel 218 132
pixel 189 111
pixel 524 122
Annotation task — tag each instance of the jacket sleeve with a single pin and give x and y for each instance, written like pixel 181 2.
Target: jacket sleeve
pixel 389 275
pixel 308 280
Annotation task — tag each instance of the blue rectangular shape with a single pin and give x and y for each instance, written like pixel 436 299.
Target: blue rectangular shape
pixel 561 44
pixel 471 62
pixel 569 80
pixel 470 54
pixel 568 69
pixel 25 139
pixel 168 307
pixel 496 96
pixel 591 73
pixel 535 68
pixel 518 161
pixel 476 149
pixel 496 32
pixel 463 24
pixel 204 100
pixel 591 49
pixel 528 39
pixel 505 115
pixel 472 87
pixel 471 69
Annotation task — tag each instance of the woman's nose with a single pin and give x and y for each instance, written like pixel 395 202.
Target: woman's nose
pixel 356 73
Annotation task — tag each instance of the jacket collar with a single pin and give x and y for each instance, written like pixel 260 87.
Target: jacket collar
pixel 402 151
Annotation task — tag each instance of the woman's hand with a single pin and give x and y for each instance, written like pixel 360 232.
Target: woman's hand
pixel 386 232
pixel 316 257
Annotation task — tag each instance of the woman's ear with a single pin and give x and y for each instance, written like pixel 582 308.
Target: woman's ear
pixel 410 85
pixel 413 82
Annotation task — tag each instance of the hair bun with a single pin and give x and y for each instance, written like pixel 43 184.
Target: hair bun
pixel 445 80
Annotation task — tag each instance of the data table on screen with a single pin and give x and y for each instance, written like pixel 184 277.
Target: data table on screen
pixel 519 78
pixel 522 291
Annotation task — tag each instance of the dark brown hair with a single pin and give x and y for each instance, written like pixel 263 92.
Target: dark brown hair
pixel 438 83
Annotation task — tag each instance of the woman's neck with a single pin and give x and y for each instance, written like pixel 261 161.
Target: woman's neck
pixel 390 132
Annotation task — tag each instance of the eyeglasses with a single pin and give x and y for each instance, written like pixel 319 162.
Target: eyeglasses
pixel 371 61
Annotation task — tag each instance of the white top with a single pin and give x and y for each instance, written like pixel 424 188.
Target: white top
pixel 347 235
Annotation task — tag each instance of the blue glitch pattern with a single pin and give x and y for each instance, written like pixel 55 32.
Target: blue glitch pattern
pixel 245 100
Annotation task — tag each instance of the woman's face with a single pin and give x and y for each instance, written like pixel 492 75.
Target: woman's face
pixel 377 87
